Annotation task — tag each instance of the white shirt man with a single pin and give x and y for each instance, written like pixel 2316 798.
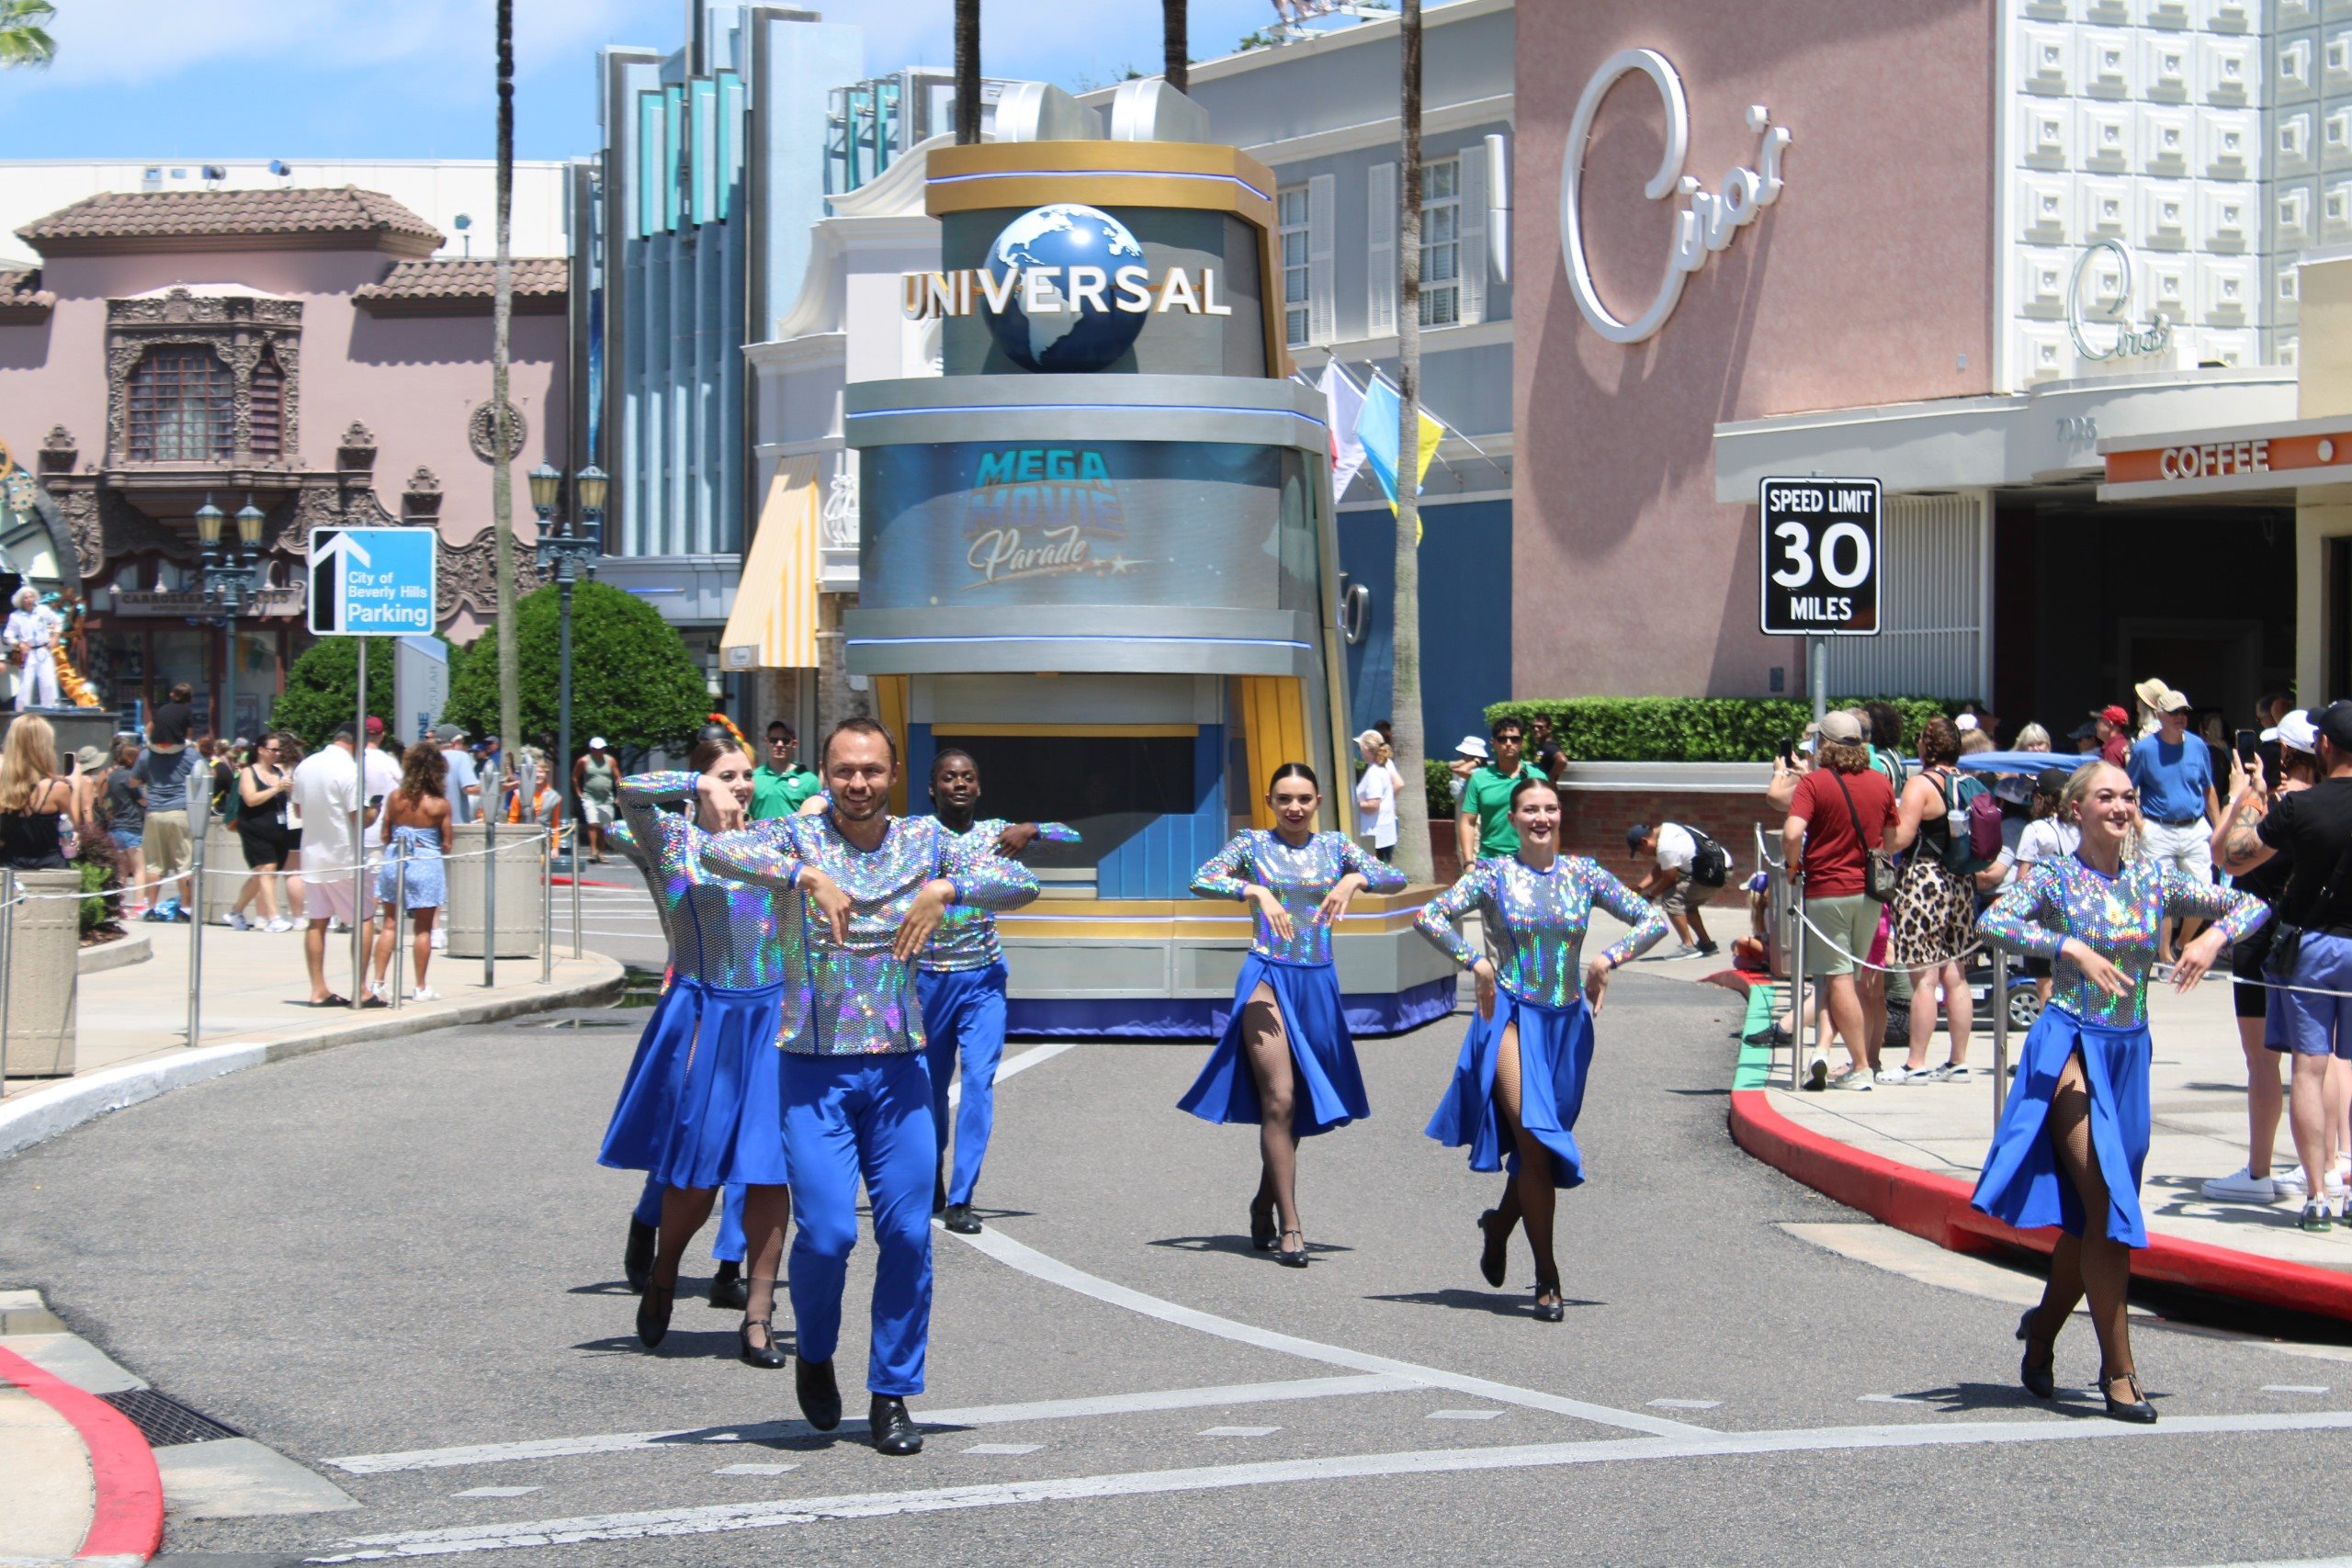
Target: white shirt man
pixel 326 792
pixel 464 783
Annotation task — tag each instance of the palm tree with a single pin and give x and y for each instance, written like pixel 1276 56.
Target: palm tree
pixel 24 38
pixel 501 476
pixel 1175 41
pixel 1413 856
pixel 968 71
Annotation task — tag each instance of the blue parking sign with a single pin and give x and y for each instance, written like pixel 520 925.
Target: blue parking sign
pixel 374 582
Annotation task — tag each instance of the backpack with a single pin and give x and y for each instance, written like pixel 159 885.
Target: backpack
pixel 1973 825
pixel 1710 862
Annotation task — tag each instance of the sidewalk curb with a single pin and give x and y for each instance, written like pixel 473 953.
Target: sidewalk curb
pixel 128 1522
pixel 44 1113
pixel 1936 1209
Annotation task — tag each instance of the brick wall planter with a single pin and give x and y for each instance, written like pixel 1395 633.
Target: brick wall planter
pixel 1725 800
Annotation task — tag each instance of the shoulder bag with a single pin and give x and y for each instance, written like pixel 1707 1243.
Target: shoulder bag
pixel 1878 870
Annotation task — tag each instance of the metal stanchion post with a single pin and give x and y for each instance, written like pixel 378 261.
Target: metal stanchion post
pixel 1796 984
pixel 400 910
pixel 547 904
pixel 2000 1030
pixel 359 842
pixel 201 821
pixel 497 793
pixel 576 951
pixel 8 963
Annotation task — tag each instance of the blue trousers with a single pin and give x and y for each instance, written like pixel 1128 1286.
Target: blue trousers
pixel 729 1247
pixel 847 1118
pixel 963 1010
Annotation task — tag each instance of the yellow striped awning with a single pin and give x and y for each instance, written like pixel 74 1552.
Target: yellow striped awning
pixel 774 623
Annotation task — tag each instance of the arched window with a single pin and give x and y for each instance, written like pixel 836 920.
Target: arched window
pixel 268 409
pixel 180 407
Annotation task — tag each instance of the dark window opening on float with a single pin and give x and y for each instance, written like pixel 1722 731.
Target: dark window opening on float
pixel 2335 612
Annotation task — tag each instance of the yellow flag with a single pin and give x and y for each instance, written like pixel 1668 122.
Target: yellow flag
pixel 1431 433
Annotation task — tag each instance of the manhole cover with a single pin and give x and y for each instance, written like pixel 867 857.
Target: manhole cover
pixel 164 1421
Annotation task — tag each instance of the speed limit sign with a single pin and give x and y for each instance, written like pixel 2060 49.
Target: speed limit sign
pixel 1820 557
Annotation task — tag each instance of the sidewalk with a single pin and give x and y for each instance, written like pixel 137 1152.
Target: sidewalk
pixel 132 1035
pixel 82 1484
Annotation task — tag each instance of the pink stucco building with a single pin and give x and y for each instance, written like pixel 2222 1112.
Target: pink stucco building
pixel 298 347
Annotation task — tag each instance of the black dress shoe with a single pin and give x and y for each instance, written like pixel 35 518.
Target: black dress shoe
pixel 729 1289
pixel 1262 1235
pixel 960 1220
pixel 653 1313
pixel 1494 1253
pixel 1553 1311
pixel 820 1397
pixel 2040 1382
pixel 767 1357
pixel 2136 1409
pixel 1290 1257
pixel 894 1429
pixel 636 1257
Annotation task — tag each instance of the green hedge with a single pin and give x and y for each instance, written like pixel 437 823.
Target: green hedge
pixel 1688 729
pixel 1437 779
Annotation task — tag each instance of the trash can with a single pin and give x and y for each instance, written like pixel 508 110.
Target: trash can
pixel 44 951
pixel 520 905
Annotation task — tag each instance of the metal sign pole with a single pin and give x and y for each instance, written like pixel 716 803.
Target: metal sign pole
pixel 359 841
pixel 577 834
pixel 1816 667
pixel 200 817
pixel 547 903
pixel 2000 1032
pixel 497 793
pixel 7 964
pixel 400 908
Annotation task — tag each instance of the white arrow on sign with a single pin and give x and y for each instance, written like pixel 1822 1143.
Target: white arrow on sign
pixel 342 545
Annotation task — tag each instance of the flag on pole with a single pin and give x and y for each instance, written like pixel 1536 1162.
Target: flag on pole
pixel 1376 427
pixel 1342 407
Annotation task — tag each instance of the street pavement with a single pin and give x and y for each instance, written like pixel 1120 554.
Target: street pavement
pixel 616 917
pixel 398 1264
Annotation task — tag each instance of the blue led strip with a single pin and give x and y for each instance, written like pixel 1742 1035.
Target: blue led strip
pixel 1068 637
pixel 1086 408
pixel 1097 174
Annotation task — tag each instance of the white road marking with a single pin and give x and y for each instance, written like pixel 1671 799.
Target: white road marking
pixel 1002 1448
pixel 1239 1431
pixel 2294 1388
pixel 1892 1399
pixel 974 1416
pixel 1686 1404
pixel 1036 1264
pixel 1461 1415
pixel 753 1469
pixel 1021 1064
pixel 713 1519
pixel 495 1491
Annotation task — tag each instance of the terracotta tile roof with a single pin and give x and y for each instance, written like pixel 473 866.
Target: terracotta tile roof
pixel 22 299
pixel 463 285
pixel 287 215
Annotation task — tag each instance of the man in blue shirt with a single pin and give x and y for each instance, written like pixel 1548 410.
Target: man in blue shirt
pixel 2173 771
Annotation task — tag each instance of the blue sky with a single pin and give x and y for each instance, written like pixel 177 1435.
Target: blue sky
pixel 293 79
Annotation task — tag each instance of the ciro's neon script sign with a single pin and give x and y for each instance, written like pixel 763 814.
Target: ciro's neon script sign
pixel 1707 221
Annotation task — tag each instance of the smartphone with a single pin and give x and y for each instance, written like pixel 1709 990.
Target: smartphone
pixel 2247 741
pixel 1789 750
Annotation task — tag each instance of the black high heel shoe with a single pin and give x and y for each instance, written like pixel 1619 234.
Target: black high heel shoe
pixel 1494 1253
pixel 1553 1311
pixel 1292 1257
pixel 766 1357
pixel 636 1257
pixel 653 1313
pixel 2041 1381
pixel 2136 1410
pixel 1262 1235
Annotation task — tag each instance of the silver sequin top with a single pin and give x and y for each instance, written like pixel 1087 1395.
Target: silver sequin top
pixel 2116 917
pixel 966 935
pixel 722 931
pixel 1543 916
pixel 863 999
pixel 1298 874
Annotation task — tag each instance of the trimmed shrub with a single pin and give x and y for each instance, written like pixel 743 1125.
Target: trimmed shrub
pixel 1687 730
pixel 1437 779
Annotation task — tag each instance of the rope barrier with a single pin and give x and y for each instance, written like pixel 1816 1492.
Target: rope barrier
pixel 304 871
pixel 1822 936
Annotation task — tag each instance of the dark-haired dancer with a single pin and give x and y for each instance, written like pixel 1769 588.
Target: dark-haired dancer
pixel 857 1093
pixel 701 1105
pixel 2074 1135
pixel 1520 1079
pixel 960 980
pixel 1287 1023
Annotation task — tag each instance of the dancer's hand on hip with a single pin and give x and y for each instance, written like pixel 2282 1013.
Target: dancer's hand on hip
pixel 1595 982
pixel 2196 958
pixel 1483 974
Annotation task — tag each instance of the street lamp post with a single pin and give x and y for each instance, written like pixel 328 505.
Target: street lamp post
pixel 567 552
pixel 231 577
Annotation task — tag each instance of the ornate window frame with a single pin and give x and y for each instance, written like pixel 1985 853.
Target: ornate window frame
pixel 239 329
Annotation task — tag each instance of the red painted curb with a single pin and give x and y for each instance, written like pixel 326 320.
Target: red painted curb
pixel 589 881
pixel 1936 1208
pixel 129 1519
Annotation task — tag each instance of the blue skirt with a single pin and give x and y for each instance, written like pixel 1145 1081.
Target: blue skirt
pixel 703 1105
pixel 1555 1056
pixel 2022 1184
pixel 1326 1090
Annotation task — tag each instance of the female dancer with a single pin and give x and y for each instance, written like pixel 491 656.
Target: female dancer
pixel 1520 1075
pixel 1286 1020
pixel 703 1103
pixel 2072 1140
pixel 417 830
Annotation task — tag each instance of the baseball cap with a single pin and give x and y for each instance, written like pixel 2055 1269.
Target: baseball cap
pixel 595 743
pixel 2113 713
pixel 2296 732
pixel 1964 722
pixel 2050 781
pixel 2084 731
pixel 1841 728
pixel 2171 702
pixel 1473 745
pixel 2335 722
pixel 1636 834
pixel 446 733
pixel 375 725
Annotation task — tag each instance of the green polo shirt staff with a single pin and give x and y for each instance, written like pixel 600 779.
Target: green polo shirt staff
pixel 780 785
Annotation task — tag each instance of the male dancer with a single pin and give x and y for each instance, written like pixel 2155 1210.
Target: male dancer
pixel 961 979
pixel 857 1093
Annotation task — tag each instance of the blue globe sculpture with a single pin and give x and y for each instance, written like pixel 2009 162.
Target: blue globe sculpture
pixel 1062 236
